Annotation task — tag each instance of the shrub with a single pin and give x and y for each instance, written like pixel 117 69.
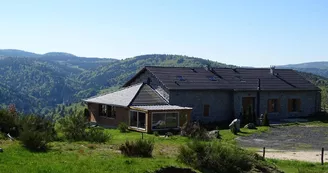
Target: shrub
pixel 73 127
pixel 168 134
pixel 36 132
pixel 97 134
pixel 217 157
pixel 123 127
pixel 156 133
pixel 139 148
pixel 265 121
pixel 9 123
pixel 195 131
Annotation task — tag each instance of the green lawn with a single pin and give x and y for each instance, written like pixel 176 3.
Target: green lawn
pixel 291 166
pixel 83 157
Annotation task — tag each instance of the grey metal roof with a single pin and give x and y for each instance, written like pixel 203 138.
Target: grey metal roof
pixel 160 107
pixel 185 78
pixel 122 97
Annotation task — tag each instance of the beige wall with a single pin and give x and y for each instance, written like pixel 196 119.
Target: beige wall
pixel 122 115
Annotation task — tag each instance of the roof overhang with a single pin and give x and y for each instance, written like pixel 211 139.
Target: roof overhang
pixel 160 108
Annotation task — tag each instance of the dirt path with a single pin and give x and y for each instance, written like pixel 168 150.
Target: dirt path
pixel 309 156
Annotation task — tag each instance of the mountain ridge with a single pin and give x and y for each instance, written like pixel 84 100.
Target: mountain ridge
pixel 38 85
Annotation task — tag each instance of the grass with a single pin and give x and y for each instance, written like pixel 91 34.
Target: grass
pixel 292 166
pixel 229 137
pixel 80 157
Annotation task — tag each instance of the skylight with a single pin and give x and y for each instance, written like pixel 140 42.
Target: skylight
pixel 180 78
pixel 212 78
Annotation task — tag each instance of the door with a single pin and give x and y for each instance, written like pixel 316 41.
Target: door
pixel 248 104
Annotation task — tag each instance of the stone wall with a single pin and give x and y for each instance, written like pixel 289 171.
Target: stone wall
pixel 220 102
pixel 310 101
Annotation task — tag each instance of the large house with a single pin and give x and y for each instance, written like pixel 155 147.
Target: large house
pixel 166 97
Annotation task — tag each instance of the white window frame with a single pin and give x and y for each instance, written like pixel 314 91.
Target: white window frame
pixel 136 127
pixel 152 117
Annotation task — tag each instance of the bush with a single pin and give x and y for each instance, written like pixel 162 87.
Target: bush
pixel 36 132
pixel 139 148
pixel 73 127
pixel 123 127
pixel 217 157
pixel 156 133
pixel 195 131
pixel 97 134
pixel 265 121
pixel 9 123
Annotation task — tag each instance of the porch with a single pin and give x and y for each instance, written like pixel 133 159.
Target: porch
pixel 158 117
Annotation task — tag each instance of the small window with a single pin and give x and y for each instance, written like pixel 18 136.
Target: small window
pixel 206 111
pixel 273 105
pixel 107 111
pixel 194 70
pixel 294 105
pixel 180 78
pixel 212 78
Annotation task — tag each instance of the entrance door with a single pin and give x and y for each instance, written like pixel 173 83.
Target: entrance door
pixel 249 107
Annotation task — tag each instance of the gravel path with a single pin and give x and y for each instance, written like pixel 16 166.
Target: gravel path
pixel 292 138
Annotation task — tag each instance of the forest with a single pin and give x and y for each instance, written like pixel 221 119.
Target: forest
pixel 43 84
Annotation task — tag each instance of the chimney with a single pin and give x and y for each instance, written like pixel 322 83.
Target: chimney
pixel 272 68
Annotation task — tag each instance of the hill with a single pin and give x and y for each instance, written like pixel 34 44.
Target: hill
pixel 39 84
pixel 318 68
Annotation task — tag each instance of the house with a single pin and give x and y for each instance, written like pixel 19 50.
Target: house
pixel 139 106
pixel 213 94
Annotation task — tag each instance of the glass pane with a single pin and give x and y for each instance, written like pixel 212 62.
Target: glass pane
pixel 171 120
pixel 133 119
pixel 142 120
pixel 158 121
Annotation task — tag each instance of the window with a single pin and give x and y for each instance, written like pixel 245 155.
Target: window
pixel 273 105
pixel 206 111
pixel 165 120
pixel 180 78
pixel 212 78
pixel 107 111
pixel 294 105
pixel 137 119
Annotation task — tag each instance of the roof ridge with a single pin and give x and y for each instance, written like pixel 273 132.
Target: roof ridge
pixel 120 89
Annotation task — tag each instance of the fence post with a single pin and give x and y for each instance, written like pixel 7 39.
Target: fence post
pixel 263 152
pixel 322 154
pixel 142 135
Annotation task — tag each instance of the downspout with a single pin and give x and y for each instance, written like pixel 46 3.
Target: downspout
pixel 258 99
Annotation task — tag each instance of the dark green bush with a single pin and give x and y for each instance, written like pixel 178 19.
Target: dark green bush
pixel 97 134
pixel 156 133
pixel 195 131
pixel 123 127
pixel 217 157
pixel 139 148
pixel 36 132
pixel 74 127
pixel 9 123
pixel 168 134
pixel 265 121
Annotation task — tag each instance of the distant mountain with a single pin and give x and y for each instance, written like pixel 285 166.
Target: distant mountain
pixel 320 65
pixel 83 63
pixel 17 53
pixel 318 68
pixel 39 84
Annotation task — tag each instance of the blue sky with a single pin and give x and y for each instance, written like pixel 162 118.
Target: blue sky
pixel 246 32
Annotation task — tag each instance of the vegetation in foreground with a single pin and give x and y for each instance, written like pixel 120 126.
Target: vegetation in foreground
pixel 293 166
pixel 124 151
